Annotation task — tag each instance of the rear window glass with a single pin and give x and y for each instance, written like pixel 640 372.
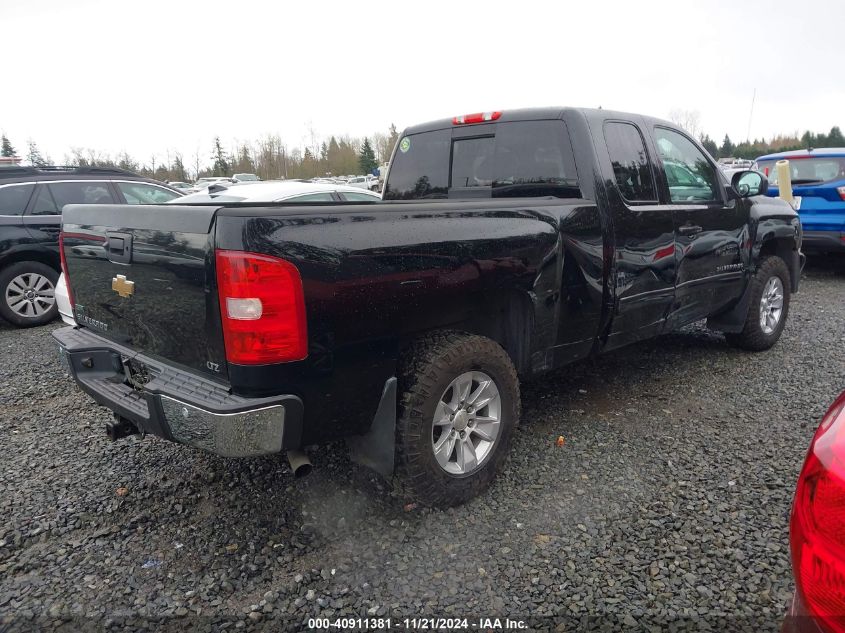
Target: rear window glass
pixel 80 192
pixel 14 198
pixel 520 159
pixel 807 171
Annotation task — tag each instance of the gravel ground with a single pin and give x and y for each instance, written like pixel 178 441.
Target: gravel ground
pixel 666 507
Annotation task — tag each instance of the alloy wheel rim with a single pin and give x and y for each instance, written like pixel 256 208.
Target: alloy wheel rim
pixel 30 295
pixel 771 305
pixel 466 425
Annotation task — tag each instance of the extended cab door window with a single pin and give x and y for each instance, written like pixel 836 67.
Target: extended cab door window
pixel 631 166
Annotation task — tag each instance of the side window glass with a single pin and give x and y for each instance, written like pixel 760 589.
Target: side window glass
pixel 359 197
pixel 689 176
pixel 143 193
pixel 44 203
pixel 14 198
pixel 311 197
pixel 81 192
pixel 629 159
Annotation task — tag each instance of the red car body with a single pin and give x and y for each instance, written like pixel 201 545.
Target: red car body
pixel 817 531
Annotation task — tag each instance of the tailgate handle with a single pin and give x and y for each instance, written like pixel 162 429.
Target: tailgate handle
pixel 119 247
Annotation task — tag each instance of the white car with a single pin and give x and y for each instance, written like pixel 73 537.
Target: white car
pixel 369 182
pixel 245 178
pixel 204 183
pixel 278 190
pixel 63 301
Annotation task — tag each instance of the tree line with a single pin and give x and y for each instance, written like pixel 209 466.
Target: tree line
pixel 690 120
pixel 269 157
pixel 780 143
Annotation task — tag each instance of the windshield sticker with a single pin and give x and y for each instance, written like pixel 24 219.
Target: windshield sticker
pixel 405 145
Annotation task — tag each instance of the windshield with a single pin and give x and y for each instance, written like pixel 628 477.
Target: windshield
pixel 246 176
pixel 807 171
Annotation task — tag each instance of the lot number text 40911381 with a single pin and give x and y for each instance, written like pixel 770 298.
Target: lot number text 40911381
pixel 417 624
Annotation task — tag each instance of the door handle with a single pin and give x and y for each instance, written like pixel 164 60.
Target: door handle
pixel 690 229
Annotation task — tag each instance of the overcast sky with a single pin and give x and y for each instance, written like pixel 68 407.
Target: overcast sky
pixel 148 76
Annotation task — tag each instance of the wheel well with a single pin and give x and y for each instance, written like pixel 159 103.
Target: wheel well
pixel 784 248
pixel 47 259
pixel 780 246
pixel 509 322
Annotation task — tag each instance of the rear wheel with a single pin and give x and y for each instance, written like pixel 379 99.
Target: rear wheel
pixel 28 294
pixel 768 309
pixel 459 407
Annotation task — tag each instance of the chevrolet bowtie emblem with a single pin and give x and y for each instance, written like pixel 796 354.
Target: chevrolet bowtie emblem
pixel 123 286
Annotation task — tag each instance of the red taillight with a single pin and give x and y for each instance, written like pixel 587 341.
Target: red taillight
pixel 262 308
pixel 478 117
pixel 817 527
pixel 841 192
pixel 63 261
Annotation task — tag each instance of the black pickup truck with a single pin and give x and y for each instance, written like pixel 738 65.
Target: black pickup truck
pixel 507 244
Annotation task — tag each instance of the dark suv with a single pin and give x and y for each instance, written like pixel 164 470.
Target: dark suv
pixel 31 201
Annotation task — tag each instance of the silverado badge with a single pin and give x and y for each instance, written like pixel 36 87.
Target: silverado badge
pixel 123 286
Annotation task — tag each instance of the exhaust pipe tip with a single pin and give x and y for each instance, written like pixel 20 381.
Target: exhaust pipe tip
pixel 299 464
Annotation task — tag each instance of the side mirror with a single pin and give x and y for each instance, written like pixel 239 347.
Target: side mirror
pixel 749 183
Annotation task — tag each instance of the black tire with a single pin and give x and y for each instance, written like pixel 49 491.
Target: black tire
pixel 753 337
pixel 427 370
pixel 8 275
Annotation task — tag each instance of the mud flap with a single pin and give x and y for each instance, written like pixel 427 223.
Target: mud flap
pixel 733 320
pixel 376 449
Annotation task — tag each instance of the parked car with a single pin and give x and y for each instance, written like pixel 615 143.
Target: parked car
pixel 818 184
pixel 63 301
pixel 508 244
pixel 245 178
pixel 816 538
pixel 31 200
pixel 203 183
pixel 368 182
pixel 181 186
pixel 278 190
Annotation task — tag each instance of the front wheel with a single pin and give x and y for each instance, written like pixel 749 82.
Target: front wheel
pixel 459 407
pixel 768 308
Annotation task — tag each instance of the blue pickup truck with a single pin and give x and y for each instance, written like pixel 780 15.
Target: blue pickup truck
pixel 818 179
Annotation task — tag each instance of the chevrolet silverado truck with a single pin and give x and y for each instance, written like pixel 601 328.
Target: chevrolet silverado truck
pixel 507 244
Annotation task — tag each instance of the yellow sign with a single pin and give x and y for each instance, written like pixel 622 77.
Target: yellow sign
pixel 123 286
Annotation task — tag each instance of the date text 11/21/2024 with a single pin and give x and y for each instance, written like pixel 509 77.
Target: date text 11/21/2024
pixel 416 624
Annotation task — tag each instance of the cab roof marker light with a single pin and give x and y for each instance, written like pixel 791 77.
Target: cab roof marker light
pixel 478 117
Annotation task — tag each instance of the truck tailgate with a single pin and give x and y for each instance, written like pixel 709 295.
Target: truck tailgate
pixel 142 276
